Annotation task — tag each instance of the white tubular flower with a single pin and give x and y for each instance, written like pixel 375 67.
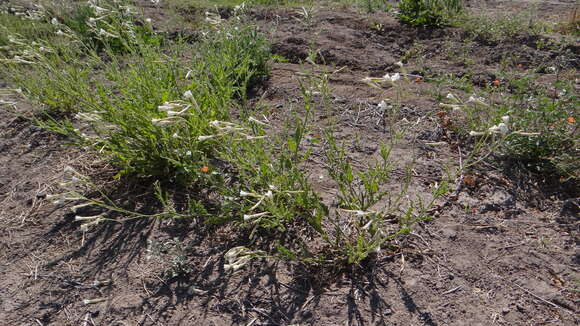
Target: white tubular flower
pixel 247 194
pixel 503 128
pixel 253 137
pixel 85 227
pixel 87 218
pixel 477 133
pixel 477 100
pixel 92 301
pixel 218 124
pixel 148 20
pixel 88 116
pixel 453 98
pixel 98 10
pixel 257 121
pixel 383 105
pixel 368 225
pixel 392 78
pixel 169 106
pixel 505 119
pixel 252 216
pixel 178 113
pixel 79 206
pixel 59 202
pixel 163 122
pixel 54 21
pixel 104 33
pixel 238 264
pixel 202 138
pixel 240 7
pixel 188 94
pixel 268 194
pixel 233 253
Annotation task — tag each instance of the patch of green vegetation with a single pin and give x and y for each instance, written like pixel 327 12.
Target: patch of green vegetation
pixel 529 124
pixel 34 30
pixel 429 12
pixel 176 113
pixel 497 28
pixel 234 3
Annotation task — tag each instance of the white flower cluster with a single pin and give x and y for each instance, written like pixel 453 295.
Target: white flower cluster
pixel 268 195
pixel 224 128
pixel 175 111
pixel 238 257
pixel 501 128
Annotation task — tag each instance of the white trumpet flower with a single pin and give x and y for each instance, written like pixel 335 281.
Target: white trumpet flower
pixel 453 98
pixel 104 33
pixel 477 100
pixel 252 216
pixel 202 138
pixel 392 78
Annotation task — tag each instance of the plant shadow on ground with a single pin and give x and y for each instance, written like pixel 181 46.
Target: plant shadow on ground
pixel 274 291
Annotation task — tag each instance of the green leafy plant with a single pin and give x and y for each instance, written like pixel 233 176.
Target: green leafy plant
pixel 114 26
pixel 428 12
pixel 492 29
pixel 530 126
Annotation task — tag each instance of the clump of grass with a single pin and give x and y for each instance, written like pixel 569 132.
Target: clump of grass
pixel 428 12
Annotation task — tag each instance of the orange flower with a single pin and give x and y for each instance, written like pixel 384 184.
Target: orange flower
pixel 418 80
pixel 204 169
pixel 496 83
pixel 571 120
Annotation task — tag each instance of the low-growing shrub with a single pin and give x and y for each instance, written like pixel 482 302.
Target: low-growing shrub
pixel 536 128
pixel 428 12
pixel 103 24
pixel 177 115
pixel 498 28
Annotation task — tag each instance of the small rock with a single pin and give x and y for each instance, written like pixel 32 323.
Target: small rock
pixel 450 233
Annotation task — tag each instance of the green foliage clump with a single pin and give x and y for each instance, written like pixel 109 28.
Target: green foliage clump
pixel 493 29
pixel 112 25
pixel 428 12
